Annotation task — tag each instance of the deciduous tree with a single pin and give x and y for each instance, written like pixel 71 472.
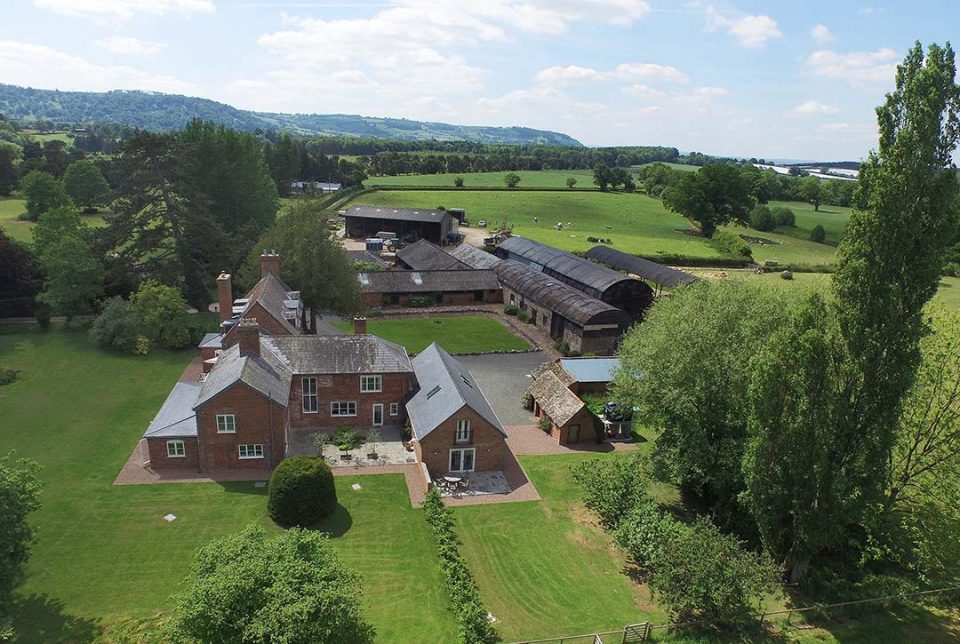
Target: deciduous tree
pixel 712 197
pixel 19 492
pixel 85 185
pixel 42 192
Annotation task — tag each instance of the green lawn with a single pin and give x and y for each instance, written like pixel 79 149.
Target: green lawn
pixel 53 136
pixel 458 334
pixel 22 231
pixel 105 554
pixel 832 218
pixel 528 179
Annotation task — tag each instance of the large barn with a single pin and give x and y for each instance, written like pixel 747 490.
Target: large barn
pixel 643 268
pixel 396 288
pixel 606 284
pixel 409 224
pixel 586 324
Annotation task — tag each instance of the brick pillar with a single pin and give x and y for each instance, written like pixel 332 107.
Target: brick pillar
pixel 359 325
pixel 248 336
pixel 269 263
pixel 225 296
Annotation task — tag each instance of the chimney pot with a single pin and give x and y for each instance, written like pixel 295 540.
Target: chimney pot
pixel 359 325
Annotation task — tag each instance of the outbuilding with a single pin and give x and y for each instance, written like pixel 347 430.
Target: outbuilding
pixel 643 268
pixel 398 288
pixel 409 224
pixel 424 256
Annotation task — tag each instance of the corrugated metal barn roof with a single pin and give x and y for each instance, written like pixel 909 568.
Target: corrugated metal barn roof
pixel 428 281
pixel 648 270
pixel 399 214
pixel 561 262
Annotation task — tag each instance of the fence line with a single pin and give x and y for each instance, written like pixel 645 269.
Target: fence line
pixel 647 628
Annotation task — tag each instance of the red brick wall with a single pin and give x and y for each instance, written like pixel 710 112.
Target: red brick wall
pixel 258 421
pixel 434 450
pixel 266 321
pixel 346 387
pixel 159 460
pixel 207 354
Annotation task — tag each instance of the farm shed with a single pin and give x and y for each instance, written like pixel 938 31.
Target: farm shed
pixel 643 268
pixel 613 287
pixel 409 224
pixel 424 256
pixel 589 375
pixel 474 257
pixel 395 288
pixel 587 324
pixel 570 419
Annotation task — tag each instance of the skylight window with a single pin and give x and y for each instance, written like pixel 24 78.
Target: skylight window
pixel 364 279
pixel 433 392
pixel 417 278
pixel 465 381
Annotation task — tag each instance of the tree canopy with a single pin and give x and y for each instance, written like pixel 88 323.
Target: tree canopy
pixel 19 491
pixel 716 195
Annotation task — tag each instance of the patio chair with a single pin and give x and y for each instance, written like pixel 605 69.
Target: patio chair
pixel 463 485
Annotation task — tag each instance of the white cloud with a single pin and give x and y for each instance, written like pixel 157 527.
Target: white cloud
pixel 869 11
pixel 752 31
pixel 855 68
pixel 40 66
pixel 650 71
pixel 124 9
pixel 571 74
pixel 131 46
pixel 623 72
pixel 813 108
pixel 822 34
pixel 642 91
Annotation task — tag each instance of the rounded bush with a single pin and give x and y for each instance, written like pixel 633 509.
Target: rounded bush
pixel 301 491
pixel 818 234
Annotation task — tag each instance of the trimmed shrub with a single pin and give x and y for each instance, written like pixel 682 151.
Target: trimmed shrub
pixel 511 309
pixel 545 424
pixel 301 491
pixel 731 244
pixel 523 315
pixel 762 219
pixel 818 234
pixel 117 326
pixel 783 216
pixel 421 301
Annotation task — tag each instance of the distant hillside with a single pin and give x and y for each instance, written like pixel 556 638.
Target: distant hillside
pixel 153 111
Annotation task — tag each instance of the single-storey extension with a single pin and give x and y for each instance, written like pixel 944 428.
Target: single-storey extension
pixel 409 224
pixel 396 288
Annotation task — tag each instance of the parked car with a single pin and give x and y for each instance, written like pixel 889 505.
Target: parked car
pixel 618 412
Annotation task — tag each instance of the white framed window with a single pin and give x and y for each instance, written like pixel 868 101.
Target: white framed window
pixel 226 423
pixel 463 460
pixel 371 384
pixel 176 449
pixel 394 409
pixel 309 386
pixel 343 408
pixel 250 451
pixel 463 431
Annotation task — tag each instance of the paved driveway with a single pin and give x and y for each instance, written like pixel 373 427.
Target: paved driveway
pixel 504 377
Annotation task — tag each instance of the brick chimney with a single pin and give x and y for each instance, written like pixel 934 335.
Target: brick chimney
pixel 225 296
pixel 269 263
pixel 248 336
pixel 359 325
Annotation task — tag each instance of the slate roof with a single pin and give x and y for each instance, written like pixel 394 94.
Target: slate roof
pixel 561 262
pixel 176 417
pixel 424 256
pixel 272 294
pixel 333 354
pixel 557 402
pixel 648 270
pixel 398 214
pixel 265 373
pixel 445 387
pixel 211 341
pixel 573 304
pixel 474 257
pixel 427 281
pixel 365 256
pixel 590 369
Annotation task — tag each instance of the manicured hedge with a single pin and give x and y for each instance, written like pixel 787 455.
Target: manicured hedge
pixel 472 620
pixel 301 491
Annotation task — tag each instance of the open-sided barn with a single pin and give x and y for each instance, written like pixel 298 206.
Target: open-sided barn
pixel 643 268
pixel 606 284
pixel 409 224
pixel 391 288
pixel 587 324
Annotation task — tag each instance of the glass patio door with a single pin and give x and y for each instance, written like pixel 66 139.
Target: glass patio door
pixel 462 460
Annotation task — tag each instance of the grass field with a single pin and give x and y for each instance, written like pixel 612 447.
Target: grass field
pixel 832 218
pixel 53 136
pixel 682 167
pixel 23 230
pixel 104 553
pixel 459 334
pixel 528 179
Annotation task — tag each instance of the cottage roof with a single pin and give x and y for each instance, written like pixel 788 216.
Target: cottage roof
pixel 366 257
pixel 555 369
pixel 424 256
pixel 398 214
pixel 585 272
pixel 573 304
pixel 474 257
pixel 273 295
pixel 176 417
pixel 427 281
pixel 211 341
pixel 557 402
pixel 445 387
pixel 590 369
pixel 648 270
pixel 335 354
pixel 265 373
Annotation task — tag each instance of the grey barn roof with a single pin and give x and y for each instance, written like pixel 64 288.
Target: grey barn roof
pixel 399 214
pixel 176 417
pixel 644 268
pixel 445 387
pixel 427 281
pixel 365 256
pixel 424 256
pixel 333 354
pixel 265 373
pixel 576 268
pixel 575 305
pixel 474 257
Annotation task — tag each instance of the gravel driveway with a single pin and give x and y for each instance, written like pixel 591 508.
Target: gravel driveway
pixel 504 377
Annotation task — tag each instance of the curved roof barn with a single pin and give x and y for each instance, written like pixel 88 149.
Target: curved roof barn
pixel 643 268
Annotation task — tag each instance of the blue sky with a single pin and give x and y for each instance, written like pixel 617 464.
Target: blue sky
pixel 770 79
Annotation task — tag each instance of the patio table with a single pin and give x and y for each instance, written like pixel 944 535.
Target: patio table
pixel 452 479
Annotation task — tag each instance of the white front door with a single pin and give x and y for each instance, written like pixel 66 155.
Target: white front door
pixel 462 460
pixel 378 414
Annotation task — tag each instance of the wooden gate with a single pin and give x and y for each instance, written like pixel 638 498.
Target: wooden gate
pixel 636 633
